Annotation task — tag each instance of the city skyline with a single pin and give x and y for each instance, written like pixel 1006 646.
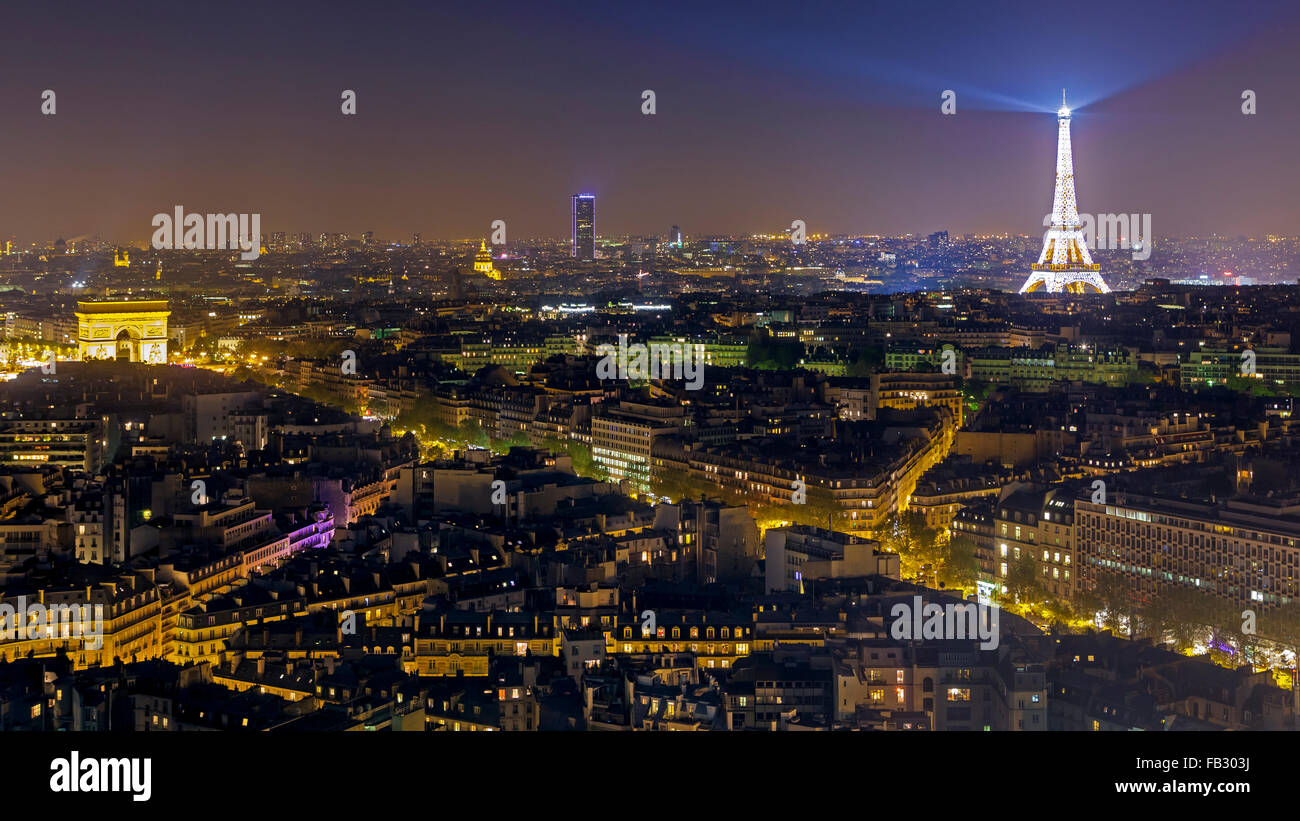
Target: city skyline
pixel 410 370
pixel 848 135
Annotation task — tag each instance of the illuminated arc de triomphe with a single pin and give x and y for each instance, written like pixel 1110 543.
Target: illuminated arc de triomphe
pixel 128 331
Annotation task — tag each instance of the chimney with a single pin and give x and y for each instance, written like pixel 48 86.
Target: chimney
pixel 329 665
pixel 261 666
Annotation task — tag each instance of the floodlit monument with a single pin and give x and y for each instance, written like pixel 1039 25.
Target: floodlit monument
pixel 127 331
pixel 1065 265
pixel 483 262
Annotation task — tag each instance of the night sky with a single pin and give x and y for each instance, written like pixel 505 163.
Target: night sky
pixel 470 112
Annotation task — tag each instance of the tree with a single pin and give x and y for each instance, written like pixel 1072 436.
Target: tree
pixel 519 440
pixel 1022 583
pixel 554 446
pixel 1109 597
pixel 1233 642
pixel 975 393
pixel 959 568
pixel 472 433
pixel 677 485
pixel 1142 376
pixel 1168 616
pixel 767 352
pixel 423 414
pixel 819 509
pixel 917 545
pixel 584 464
pixel 1283 625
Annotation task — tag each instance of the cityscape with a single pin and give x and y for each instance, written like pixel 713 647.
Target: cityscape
pixel 563 458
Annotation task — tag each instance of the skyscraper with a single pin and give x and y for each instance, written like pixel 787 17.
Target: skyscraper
pixel 584 226
pixel 1065 265
pixel 675 237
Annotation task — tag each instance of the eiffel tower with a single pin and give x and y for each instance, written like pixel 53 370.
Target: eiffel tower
pixel 1065 266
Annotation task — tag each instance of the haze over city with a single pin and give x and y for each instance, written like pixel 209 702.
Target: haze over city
pixel 826 112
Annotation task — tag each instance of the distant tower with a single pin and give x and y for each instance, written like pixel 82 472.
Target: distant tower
pixel 675 237
pixel 584 227
pixel 415 239
pixel 157 275
pixel 1065 266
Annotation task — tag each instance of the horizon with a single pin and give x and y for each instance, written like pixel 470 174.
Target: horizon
pixel 846 131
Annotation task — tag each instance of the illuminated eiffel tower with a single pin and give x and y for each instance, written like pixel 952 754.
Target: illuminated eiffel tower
pixel 1065 266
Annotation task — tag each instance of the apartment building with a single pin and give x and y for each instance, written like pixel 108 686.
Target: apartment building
pixel 622 438
pixel 798 554
pixel 1244 551
pixel 75 443
pixel 1036 525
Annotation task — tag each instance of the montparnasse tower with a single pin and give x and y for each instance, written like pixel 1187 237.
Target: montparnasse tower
pixel 1065 265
